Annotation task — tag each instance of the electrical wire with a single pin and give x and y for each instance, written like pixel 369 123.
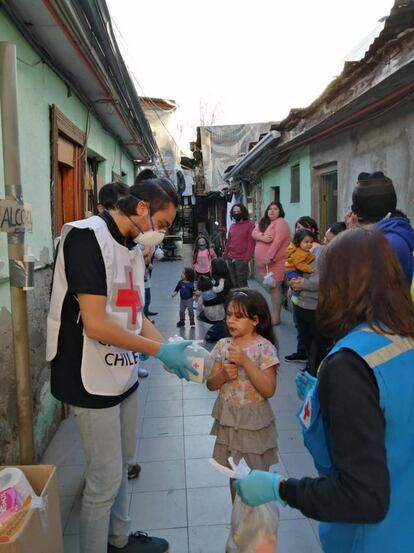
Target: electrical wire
pixel 147 98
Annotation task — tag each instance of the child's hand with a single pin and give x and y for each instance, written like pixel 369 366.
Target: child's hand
pixel 236 356
pixel 230 371
pixel 297 284
pixel 351 220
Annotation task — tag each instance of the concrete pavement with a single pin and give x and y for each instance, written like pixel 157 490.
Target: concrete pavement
pixel 178 496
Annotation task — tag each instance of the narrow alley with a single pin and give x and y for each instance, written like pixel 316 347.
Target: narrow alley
pixel 178 495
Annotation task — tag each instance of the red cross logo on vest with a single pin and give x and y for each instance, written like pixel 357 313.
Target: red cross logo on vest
pixel 306 411
pixel 126 298
pixel 306 414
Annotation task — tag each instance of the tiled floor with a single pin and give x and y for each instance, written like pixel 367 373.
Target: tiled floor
pixel 178 495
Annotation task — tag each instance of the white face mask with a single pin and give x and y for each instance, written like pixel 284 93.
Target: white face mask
pixel 148 238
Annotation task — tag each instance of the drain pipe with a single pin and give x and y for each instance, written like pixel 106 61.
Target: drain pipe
pixel 15 240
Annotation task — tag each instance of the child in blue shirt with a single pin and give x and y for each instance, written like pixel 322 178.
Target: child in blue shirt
pixel 186 288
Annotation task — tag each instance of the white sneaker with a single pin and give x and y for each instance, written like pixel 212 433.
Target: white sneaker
pixel 142 373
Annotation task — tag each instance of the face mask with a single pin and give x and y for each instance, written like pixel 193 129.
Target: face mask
pixel 237 216
pixel 148 238
pixel 202 245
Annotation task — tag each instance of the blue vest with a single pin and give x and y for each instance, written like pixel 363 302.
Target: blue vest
pixel 392 360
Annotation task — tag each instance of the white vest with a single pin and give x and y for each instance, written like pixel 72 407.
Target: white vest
pixel 105 369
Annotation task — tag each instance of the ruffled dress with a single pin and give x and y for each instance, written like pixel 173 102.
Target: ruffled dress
pixel 244 423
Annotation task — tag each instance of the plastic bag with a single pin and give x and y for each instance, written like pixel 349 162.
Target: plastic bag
pixel 268 279
pixel 159 253
pixel 16 497
pixel 254 529
pixel 199 357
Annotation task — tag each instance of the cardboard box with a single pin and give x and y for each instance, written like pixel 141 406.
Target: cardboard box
pixel 39 533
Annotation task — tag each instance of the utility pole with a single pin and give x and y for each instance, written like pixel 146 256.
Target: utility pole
pixel 17 217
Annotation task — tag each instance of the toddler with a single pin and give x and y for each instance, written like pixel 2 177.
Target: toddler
pixel 186 288
pixel 299 257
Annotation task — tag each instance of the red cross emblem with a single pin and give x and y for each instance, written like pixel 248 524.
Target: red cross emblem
pixel 126 297
pixel 306 411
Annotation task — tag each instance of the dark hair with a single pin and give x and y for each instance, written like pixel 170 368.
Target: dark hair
pixel 250 303
pixel 204 283
pixel 157 192
pixel 361 281
pixel 189 273
pixel 307 222
pixel 300 235
pixel 196 250
pixel 265 221
pixel 243 209
pixel 219 269
pixel 336 228
pixel 110 193
pixel 145 174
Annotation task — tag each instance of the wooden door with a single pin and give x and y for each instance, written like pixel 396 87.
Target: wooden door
pixel 68 146
pixel 69 189
pixel 328 200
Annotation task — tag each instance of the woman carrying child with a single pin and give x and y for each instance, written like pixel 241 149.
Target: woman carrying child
pixel 300 258
pixel 245 373
pixel 203 254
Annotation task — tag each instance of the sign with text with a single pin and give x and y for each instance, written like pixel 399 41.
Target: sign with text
pixel 15 216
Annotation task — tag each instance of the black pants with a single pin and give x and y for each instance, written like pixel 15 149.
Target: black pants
pixel 316 345
pixel 217 331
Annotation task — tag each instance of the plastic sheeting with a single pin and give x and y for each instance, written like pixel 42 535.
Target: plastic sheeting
pixel 164 125
pixel 222 146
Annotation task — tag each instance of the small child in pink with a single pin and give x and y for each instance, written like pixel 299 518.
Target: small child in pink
pixel 202 255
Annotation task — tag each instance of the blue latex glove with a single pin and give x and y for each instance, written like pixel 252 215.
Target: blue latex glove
pixel 304 382
pixel 259 487
pixel 172 355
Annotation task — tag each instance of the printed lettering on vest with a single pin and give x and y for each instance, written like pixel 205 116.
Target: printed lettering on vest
pixel 126 297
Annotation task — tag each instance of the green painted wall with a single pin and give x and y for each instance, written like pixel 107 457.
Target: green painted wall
pixel 281 177
pixel 38 88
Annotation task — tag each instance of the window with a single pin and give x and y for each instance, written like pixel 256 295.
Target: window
pixel 275 195
pixel 295 184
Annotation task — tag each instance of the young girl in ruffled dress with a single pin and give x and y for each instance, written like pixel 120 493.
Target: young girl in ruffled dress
pixel 245 373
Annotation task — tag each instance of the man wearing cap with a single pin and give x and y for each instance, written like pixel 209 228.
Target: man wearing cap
pixel 374 201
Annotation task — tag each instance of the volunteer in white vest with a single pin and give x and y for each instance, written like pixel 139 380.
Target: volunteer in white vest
pixel 96 328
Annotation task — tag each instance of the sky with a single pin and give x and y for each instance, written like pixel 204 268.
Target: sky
pixel 240 61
